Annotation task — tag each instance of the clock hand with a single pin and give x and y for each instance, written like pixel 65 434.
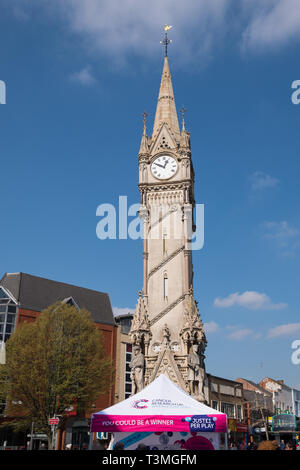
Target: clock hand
pixel 161 166
pixel 166 163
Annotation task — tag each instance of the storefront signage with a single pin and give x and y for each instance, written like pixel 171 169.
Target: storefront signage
pixel 284 422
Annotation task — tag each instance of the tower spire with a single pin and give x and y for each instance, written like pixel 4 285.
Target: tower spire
pixel 166 108
pixel 185 136
pixel 183 111
pixel 144 142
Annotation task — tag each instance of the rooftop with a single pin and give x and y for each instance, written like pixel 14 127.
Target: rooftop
pixel 37 293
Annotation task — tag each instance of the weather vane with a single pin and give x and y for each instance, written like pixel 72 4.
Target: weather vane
pixel 166 41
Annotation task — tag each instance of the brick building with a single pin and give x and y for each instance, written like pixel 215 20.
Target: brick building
pixel 258 405
pixel 22 299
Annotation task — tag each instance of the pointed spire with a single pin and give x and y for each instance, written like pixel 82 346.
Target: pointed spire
pixel 183 110
pixel 144 147
pixel 185 136
pixel 166 108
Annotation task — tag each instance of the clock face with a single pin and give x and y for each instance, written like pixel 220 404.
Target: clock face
pixel 164 167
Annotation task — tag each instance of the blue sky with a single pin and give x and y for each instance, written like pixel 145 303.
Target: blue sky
pixel 79 74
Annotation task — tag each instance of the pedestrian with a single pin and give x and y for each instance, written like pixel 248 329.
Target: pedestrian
pixel 232 446
pixel 119 446
pixel 291 445
pixel 241 445
pixel 141 446
pixel 282 445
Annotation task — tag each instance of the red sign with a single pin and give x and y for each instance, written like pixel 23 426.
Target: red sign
pixel 53 421
pixel 240 427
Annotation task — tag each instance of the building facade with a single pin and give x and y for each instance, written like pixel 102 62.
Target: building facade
pixel 227 396
pixel 167 332
pixel 123 384
pixel 282 395
pixel 22 299
pixel 258 407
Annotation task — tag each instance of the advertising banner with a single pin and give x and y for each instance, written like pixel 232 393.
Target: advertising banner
pixel 158 423
pixel 168 440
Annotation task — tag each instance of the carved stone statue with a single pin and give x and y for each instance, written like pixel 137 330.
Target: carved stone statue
pixel 196 373
pixel 166 334
pixel 137 366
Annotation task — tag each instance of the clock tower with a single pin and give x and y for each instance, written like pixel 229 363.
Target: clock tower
pixel 167 332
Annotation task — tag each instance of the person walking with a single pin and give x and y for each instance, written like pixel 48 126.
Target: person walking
pixel 291 445
pixel 282 445
pixel 251 444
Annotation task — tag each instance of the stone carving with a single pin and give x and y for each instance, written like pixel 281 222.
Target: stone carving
pixel 144 213
pixel 175 347
pixel 192 331
pixel 140 332
pixel 156 347
pixel 166 334
pixel 137 366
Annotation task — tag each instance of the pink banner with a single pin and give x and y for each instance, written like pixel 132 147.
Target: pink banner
pixel 158 423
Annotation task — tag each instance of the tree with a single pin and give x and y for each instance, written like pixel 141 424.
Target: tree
pixel 53 364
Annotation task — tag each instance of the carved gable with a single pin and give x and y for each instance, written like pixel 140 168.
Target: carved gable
pixel 163 141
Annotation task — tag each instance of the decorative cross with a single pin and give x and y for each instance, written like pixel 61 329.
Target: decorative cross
pixel 166 41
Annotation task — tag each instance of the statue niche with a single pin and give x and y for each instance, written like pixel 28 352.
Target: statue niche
pixel 137 366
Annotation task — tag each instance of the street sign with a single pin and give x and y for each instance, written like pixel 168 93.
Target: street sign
pixel 53 421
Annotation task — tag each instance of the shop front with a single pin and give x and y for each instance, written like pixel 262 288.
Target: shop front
pixel 284 427
pixel 237 431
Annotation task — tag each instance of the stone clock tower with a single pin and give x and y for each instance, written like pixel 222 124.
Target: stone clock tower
pixel 167 332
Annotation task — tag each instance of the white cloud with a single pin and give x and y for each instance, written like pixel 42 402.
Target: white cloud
pixel 284 330
pixel 250 299
pixel 84 77
pixel 238 335
pixel 285 237
pixel 125 27
pixel 121 28
pixel 211 327
pixel 273 23
pixel 123 311
pixel 260 180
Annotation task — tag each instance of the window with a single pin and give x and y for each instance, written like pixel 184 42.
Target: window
pixel 239 411
pixel 227 389
pixel 165 287
pixel 8 314
pixel 228 408
pixel 214 405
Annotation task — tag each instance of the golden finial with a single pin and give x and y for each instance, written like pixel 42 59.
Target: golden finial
pixel 166 41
